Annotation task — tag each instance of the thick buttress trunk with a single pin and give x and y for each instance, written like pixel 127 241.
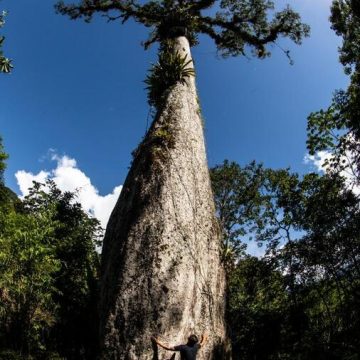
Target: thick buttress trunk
pixel 161 269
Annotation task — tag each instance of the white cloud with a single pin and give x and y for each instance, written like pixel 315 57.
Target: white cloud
pixel 25 179
pixel 319 161
pixel 68 177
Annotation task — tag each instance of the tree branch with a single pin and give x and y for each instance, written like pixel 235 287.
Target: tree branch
pixel 202 4
pixel 87 8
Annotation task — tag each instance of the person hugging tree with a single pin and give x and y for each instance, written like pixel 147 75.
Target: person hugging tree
pixel 189 350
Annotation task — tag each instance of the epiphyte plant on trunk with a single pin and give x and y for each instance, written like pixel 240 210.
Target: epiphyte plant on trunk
pixel 161 268
pixel 170 69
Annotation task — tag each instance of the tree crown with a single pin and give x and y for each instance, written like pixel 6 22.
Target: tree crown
pixel 236 27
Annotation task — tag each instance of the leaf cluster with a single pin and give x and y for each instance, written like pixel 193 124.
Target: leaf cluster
pixel 237 26
pixel 255 203
pixel 345 17
pixel 300 299
pixel 3 157
pixel 258 301
pixel 27 282
pixel 248 24
pixel 5 63
pixel 237 199
pixel 337 129
pixel 48 275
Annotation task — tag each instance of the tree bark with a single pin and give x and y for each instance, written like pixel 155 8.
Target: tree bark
pixel 161 268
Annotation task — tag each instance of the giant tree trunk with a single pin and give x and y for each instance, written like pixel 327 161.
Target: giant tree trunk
pixel 161 269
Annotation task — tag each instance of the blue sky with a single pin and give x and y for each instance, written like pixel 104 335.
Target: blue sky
pixel 77 93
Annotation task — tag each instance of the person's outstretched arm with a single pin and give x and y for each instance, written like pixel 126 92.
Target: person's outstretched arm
pixel 203 339
pixel 157 341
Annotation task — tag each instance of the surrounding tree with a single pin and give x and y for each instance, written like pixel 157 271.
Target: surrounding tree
pixel 310 271
pixel 5 63
pixel 345 19
pixel 3 157
pixel 258 309
pixel 75 240
pixel 337 129
pixel 27 282
pixel 166 209
pixel 256 204
pixel 238 200
pixel 49 276
pixel 311 228
pixel 8 198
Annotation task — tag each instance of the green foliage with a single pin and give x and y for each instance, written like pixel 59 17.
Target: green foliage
pixel 75 241
pixel 300 300
pixel 48 276
pixel 331 130
pixel 3 158
pixel 276 207
pixel 238 25
pixel 255 203
pixel 171 68
pixel 28 265
pixel 8 199
pixel 5 63
pixel 337 129
pixel 248 23
pixel 237 200
pixel 345 16
pixel 322 127
pixel 258 301
pixel 171 19
pixel 272 320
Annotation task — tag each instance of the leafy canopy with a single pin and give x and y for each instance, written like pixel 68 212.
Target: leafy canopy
pixel 3 157
pixel 48 275
pixel 301 299
pixel 337 128
pixel 237 26
pixel 28 265
pixel 75 239
pixel 5 63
